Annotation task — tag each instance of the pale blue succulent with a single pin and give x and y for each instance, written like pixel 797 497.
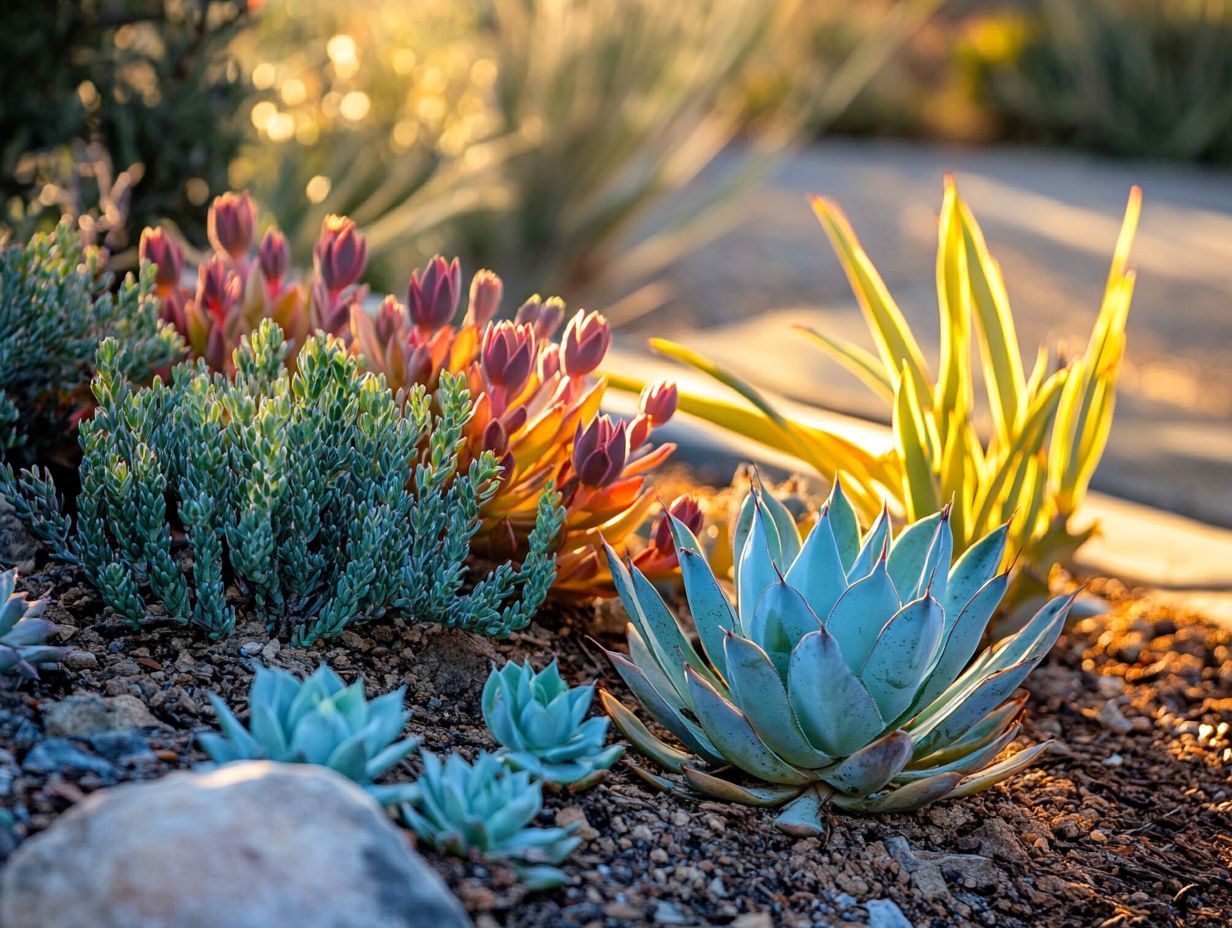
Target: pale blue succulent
pixel 541 723
pixel 842 675
pixel 23 632
pixel 318 721
pixel 488 807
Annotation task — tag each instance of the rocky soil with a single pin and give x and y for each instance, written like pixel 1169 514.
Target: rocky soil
pixel 1126 821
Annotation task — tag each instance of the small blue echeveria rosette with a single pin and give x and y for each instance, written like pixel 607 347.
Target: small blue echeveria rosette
pixel 540 722
pixel 487 807
pixel 322 721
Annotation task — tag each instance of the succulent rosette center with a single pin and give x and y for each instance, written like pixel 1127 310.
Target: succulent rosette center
pixel 845 673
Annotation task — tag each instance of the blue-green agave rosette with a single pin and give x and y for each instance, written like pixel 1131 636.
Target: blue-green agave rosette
pixel 23 632
pixel 318 721
pixel 843 674
pixel 541 723
pixel 488 807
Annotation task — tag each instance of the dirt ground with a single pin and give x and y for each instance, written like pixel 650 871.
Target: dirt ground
pixel 1125 821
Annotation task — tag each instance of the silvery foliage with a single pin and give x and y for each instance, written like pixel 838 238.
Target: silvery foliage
pixel 325 498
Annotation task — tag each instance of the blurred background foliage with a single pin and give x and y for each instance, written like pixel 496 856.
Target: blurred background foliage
pixel 124 111
pixel 534 136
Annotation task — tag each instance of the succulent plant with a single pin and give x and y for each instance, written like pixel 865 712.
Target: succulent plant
pixel 57 303
pixel 1050 422
pixel 241 282
pixel 536 410
pixel 541 723
pixel 22 632
pixel 337 500
pixel 843 674
pixel 536 401
pixel 320 720
pixel 488 807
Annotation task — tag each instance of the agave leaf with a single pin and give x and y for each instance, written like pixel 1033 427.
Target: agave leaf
pixel 844 524
pixel 740 533
pixel 873 766
pixel 638 735
pixel 712 613
pixel 970 707
pixel 786 532
pixel 860 613
pixel 668 640
pixel 817 572
pixel 971 573
pixel 902 655
pixel 757 688
pixel 29 632
pixel 906 798
pixel 935 574
pixel 973 760
pixel 874 545
pixel 757 570
pixel 864 365
pixel 664 712
pixel 802 816
pixel 962 640
pixel 909 551
pixel 663 784
pixel 729 730
pixel 780 619
pixel 1037 637
pixel 980 734
pixel 990 776
pixel 727 791
pixel 654 668
pixel 832 706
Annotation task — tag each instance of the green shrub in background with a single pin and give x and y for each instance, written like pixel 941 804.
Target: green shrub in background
pixel 56 305
pixel 151 81
pixel 1146 78
pixel 325 498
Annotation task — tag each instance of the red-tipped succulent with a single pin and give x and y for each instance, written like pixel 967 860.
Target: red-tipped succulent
pixel 240 283
pixel 536 409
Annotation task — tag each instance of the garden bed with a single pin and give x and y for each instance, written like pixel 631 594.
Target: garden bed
pixel 1125 820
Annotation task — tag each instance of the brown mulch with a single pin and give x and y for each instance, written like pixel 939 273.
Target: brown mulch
pixel 1124 822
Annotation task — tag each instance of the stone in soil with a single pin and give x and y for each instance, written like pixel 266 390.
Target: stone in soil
pixel 87 714
pixel 250 845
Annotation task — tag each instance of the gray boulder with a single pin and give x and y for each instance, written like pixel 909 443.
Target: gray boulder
pixel 247 845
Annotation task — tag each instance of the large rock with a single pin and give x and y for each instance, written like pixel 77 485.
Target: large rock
pixel 248 845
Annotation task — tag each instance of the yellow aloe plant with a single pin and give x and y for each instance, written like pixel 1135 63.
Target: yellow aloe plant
pixel 1049 427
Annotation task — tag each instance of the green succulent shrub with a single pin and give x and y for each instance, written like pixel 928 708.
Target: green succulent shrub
pixel 56 305
pixel 843 673
pixel 325 498
pixel 541 723
pixel 319 720
pixel 23 632
pixel 487 807
pixel 153 82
